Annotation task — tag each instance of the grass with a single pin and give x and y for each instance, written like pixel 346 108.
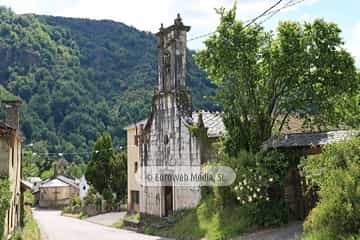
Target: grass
pixel 31 229
pixel 119 224
pixel 132 217
pixel 206 220
pixel 325 235
pixel 72 215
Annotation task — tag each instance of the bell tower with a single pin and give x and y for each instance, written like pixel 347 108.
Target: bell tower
pixel 172 56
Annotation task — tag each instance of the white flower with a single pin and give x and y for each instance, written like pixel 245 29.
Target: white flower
pixel 236 188
pixel 250 199
pixel 238 198
pixel 267 199
pixel 244 181
pixel 241 188
pixel 243 202
pixel 254 195
pixel 258 189
pixel 271 179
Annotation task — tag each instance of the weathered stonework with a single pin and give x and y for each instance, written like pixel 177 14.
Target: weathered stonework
pixel 166 139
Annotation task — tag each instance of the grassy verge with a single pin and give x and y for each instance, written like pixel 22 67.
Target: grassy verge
pixel 31 229
pixel 206 220
pixel 132 217
pixel 72 215
pixel 324 235
pixel 119 224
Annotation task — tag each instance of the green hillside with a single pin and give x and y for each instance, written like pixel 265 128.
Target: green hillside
pixel 79 77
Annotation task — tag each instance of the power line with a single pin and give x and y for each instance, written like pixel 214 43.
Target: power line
pixel 270 12
pixel 274 12
pixel 60 154
pixel 264 13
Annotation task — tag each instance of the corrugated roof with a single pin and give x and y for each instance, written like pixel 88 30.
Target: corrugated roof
pixel 310 139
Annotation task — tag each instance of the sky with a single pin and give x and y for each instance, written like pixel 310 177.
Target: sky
pixel 199 14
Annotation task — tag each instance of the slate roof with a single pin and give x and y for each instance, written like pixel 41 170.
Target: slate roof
pixel 295 135
pixel 212 121
pixel 310 139
pixel 5 129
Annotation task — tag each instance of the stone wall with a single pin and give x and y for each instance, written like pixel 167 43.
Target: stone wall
pixel 57 197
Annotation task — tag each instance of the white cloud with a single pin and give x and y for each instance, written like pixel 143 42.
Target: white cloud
pixel 143 14
pixel 354 43
pixel 148 14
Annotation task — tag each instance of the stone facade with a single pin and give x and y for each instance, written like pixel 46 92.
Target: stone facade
pixel 10 163
pixel 166 139
pixel 133 168
pixel 57 192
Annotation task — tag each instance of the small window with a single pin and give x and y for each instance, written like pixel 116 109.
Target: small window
pixel 135 167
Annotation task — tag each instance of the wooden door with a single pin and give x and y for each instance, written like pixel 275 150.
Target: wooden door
pixel 168 200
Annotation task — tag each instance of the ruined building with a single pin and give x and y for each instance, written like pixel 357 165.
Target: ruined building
pixel 165 138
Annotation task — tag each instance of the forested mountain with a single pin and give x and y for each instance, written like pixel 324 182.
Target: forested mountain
pixel 79 77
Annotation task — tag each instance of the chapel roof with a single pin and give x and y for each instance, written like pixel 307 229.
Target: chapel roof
pixel 310 139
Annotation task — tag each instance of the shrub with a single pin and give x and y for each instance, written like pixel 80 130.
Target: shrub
pixel 29 197
pixel 258 186
pixel 74 207
pixel 5 195
pixel 30 231
pixel 337 172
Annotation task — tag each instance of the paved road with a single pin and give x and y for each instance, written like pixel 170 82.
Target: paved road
pixel 107 219
pixel 53 226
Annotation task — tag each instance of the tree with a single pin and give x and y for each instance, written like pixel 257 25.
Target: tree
pixel 119 175
pixel 98 171
pixel 263 78
pixel 42 56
